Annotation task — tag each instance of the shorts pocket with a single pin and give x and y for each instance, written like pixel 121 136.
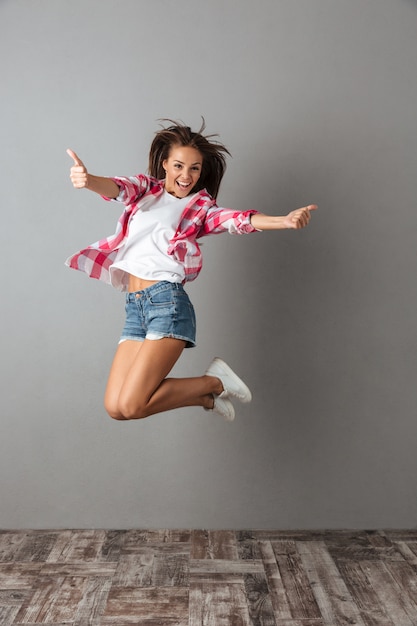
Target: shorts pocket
pixel 162 298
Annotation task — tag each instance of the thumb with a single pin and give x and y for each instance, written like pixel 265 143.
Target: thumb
pixel 75 157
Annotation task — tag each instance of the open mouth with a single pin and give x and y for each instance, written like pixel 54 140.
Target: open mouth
pixel 183 186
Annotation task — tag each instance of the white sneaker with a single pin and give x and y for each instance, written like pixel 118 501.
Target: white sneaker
pixel 233 386
pixel 224 407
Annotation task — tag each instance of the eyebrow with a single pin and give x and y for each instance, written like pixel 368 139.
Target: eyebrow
pixel 182 163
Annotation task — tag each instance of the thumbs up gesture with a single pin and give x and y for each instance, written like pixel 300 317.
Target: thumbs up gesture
pixel 79 175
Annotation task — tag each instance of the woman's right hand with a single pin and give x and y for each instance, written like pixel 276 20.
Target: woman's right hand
pixel 79 175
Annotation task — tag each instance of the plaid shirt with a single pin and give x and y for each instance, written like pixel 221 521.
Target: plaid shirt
pixel 200 217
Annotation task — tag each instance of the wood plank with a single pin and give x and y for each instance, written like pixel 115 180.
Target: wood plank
pixel 391 596
pixel 378 538
pixel 11 601
pixel 153 621
pixel 10 544
pixel 13 597
pixel 93 603
pixel 113 545
pixel 78 545
pixel 302 622
pixel 405 577
pixel 221 566
pixel 134 539
pixel 247 546
pixel 19 575
pixel 258 600
pixel 62 539
pixel 214 544
pixel 218 605
pixel 78 568
pixel 86 545
pixel 277 591
pixel 333 598
pixel 32 607
pixel 135 605
pixel 384 546
pixel 8 614
pixel 300 596
pixel 199 542
pixel 168 536
pixel 402 535
pixel 135 570
pixel 306 535
pixel 36 546
pixel 408 551
pixel 357 547
pixel 171 569
pixel 364 595
pixel 56 600
pixel 224 578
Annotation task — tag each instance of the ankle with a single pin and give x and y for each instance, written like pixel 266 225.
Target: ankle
pixel 216 385
pixel 208 401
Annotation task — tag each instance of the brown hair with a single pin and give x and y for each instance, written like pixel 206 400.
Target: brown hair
pixel 213 153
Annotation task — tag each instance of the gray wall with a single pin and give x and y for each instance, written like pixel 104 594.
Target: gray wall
pixel 317 101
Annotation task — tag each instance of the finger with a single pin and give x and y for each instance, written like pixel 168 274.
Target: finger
pixel 312 207
pixel 75 157
pixel 302 218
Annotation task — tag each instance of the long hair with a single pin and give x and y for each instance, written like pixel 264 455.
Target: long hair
pixel 177 134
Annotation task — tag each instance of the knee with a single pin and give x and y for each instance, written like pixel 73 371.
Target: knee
pixel 125 410
pixel 116 416
pixel 111 406
pixel 115 411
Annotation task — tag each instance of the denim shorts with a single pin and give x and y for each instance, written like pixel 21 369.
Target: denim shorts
pixel 161 310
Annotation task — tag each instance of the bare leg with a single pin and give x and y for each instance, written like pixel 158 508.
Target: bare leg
pixel 138 387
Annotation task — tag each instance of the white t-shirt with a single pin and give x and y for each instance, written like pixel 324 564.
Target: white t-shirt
pixel 145 252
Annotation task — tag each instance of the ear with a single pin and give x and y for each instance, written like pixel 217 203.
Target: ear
pixel 164 163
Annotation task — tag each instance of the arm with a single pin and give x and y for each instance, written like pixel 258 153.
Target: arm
pixel 295 219
pixel 82 179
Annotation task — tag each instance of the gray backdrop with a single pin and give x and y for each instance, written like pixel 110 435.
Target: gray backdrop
pixel 317 101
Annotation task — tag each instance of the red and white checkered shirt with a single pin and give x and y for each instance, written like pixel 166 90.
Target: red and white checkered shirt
pixel 200 217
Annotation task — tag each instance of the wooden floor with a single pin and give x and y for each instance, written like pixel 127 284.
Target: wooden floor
pixel 208 578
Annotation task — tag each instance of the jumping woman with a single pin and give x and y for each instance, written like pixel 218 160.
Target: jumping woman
pixel 152 254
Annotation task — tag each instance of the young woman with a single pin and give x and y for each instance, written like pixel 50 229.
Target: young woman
pixel 153 252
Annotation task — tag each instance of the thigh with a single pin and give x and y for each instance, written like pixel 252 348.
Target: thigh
pixel 137 371
pixel 149 368
pixel 123 360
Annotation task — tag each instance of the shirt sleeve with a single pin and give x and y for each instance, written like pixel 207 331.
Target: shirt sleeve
pixel 220 220
pixel 132 188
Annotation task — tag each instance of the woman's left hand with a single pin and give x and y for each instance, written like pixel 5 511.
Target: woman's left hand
pixel 300 217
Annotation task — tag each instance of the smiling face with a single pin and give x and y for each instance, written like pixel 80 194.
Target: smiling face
pixel 183 169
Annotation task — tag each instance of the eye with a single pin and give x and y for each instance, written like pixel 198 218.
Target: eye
pixel 177 166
